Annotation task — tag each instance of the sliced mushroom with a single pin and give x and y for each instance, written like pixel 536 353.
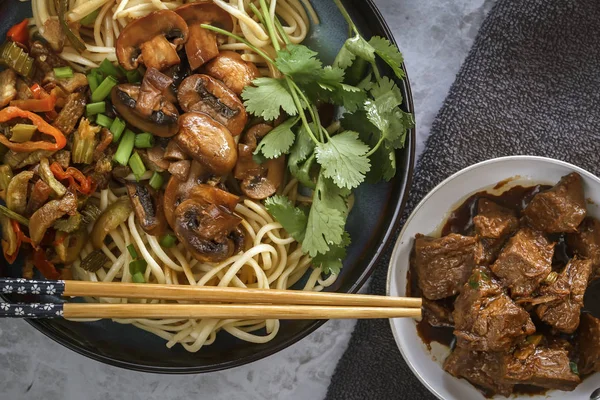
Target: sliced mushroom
pixel 204 229
pixel 207 141
pixel 152 40
pixel 202 93
pixel 148 207
pixel 230 68
pixel 208 194
pixel 156 159
pixel 177 191
pixel 160 120
pixel 202 44
pixel 156 82
pixel 257 181
pixel 45 216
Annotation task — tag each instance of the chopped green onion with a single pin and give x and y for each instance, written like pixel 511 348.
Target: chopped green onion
pixel 5 176
pixel 138 266
pixel 125 148
pixel 137 165
pixel 95 108
pixel 156 181
pixel 144 140
pixel 103 120
pixel 13 215
pixel 22 133
pixel 132 251
pixel 138 277
pixel 132 76
pixel 108 69
pixel 63 72
pixel 116 128
pixel 92 81
pixel 104 89
pixel 168 241
pixel 90 18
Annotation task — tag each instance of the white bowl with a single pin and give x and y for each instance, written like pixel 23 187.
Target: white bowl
pixel 427 217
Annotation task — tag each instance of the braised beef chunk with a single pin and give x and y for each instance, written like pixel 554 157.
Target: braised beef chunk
pixel 485 318
pixel 547 367
pixel 525 261
pixel 482 369
pixel 565 296
pixel 437 313
pixel 71 113
pixel 444 264
pixel 586 242
pixel 588 338
pixel 493 224
pixel 559 209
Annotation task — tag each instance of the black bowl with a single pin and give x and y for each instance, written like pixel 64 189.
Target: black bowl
pixel 372 222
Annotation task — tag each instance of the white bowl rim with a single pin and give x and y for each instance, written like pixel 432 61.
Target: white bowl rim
pixel 446 181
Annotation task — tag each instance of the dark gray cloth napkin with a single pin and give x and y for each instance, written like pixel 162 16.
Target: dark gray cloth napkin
pixel 530 85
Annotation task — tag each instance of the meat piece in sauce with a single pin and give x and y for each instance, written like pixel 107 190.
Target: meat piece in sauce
pixel 564 297
pixel 588 337
pixel 493 224
pixel 586 242
pixel 44 58
pixel 444 264
pixel 437 313
pixel 547 367
pixel 525 262
pixel 480 368
pixel 71 113
pixel 8 90
pixel 559 209
pixel 485 318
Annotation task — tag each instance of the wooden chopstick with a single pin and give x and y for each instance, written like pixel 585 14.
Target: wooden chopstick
pixel 225 311
pixel 205 293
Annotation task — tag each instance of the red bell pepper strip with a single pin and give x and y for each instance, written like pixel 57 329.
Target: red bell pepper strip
pixel 21 238
pixel 9 113
pixel 39 93
pixel 77 180
pixel 44 266
pixel 45 104
pixel 19 33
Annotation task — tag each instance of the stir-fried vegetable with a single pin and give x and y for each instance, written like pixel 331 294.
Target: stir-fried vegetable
pixel 156 181
pixel 48 177
pixel 84 142
pixel 125 148
pixel 68 245
pixel 104 121
pixel 63 8
pixel 19 33
pixel 16 193
pixel 90 213
pixel 10 113
pixel 103 90
pixel 44 266
pixel 63 72
pixel 5 176
pixel 10 244
pixel 17 59
pixel 95 108
pixel 36 105
pixel 13 215
pixel 77 180
pixel 39 195
pixel 116 128
pixel 168 241
pixel 94 261
pixel 110 219
pixel 137 165
pixel 21 133
pixel 144 140
pixel 71 224
pixel 43 218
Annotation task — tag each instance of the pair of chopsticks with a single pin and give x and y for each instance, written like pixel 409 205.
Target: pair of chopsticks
pixel 242 303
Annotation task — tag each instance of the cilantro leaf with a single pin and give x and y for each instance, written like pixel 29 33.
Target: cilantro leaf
pixel 331 262
pixel 293 219
pixel 267 97
pixel 331 76
pixel 387 93
pixel 333 196
pixel 326 224
pixel 384 164
pixel 388 53
pixel 278 141
pixel 350 97
pixel 300 160
pixel 343 159
pixel 299 62
pixel 360 48
pixel 344 59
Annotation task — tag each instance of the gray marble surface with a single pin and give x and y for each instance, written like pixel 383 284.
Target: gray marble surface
pixel 435 36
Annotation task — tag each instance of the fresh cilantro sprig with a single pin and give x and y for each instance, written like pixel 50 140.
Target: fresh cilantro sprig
pixel 330 161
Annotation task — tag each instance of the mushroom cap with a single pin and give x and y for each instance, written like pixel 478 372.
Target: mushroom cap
pixel 178 191
pixel 162 122
pixel 158 23
pixel 205 12
pixel 207 141
pixel 205 94
pixel 230 68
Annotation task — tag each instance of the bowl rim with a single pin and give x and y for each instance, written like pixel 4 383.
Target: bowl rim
pixel 403 179
pixel 417 209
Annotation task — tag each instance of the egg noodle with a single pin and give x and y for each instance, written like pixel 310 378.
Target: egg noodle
pixel 101 37
pixel 271 258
